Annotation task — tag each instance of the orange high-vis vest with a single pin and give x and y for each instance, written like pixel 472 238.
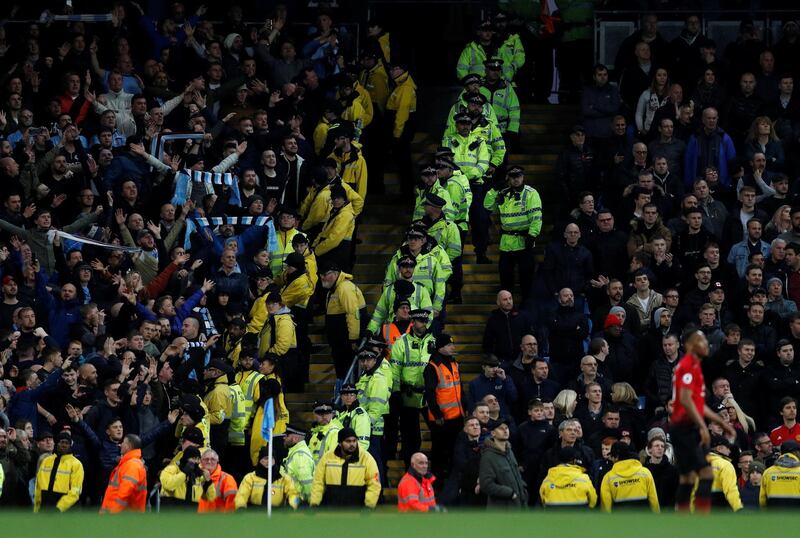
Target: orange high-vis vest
pixel 391 333
pixel 415 495
pixel 448 391
pixel 127 486
pixel 225 486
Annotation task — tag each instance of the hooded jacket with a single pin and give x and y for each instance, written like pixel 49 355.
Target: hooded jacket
pixel 780 485
pixel 567 486
pixel 628 484
pixel 500 479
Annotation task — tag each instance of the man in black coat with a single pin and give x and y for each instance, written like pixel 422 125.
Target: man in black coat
pixel 535 436
pixel 567 329
pixel 505 328
pixel 609 247
pixel 622 356
pixel 567 263
pixel 520 372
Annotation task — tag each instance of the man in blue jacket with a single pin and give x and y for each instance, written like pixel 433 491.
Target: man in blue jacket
pixel 63 311
pixel 493 380
pixel 710 146
pixel 23 406
pixel 165 307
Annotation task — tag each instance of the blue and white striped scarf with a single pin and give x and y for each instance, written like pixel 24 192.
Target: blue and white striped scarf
pixel 184 180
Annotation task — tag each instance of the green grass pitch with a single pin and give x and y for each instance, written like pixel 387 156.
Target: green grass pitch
pixel 385 524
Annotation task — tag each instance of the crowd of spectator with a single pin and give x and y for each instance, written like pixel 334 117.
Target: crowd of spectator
pixel 182 198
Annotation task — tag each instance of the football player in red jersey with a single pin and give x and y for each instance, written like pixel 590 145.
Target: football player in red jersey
pixel 688 430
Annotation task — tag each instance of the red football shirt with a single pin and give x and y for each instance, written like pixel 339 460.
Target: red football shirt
pixel 687 374
pixel 782 433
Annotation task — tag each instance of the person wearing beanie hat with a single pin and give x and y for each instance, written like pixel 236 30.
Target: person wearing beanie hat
pixel 750 490
pixel 59 478
pixel 334 242
pixel 443 395
pixel 315 208
pixel 776 302
pixel 612 320
pixel 346 475
pixel 252 490
pixel 278 336
pixel 184 483
pixel 349 159
pixel 219 402
pixel 627 484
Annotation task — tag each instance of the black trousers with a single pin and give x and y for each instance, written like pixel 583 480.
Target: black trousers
pixel 456 280
pixel 525 263
pixel 408 418
pixel 443 440
pixel 479 219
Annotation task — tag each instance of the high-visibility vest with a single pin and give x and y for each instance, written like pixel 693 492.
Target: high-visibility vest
pixel 391 333
pixel 448 391
pixel 238 416
pixel 248 385
pixel 415 495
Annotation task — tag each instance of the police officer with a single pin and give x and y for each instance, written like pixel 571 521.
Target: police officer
pixel 432 267
pixel 458 188
pixel 724 489
pixel 478 51
pixel 297 467
pixel 567 485
pixel 471 155
pixel 780 485
pixel 374 390
pixel 410 354
pixel 323 435
pixel 504 101
pixel 520 210
pixel 352 415
pixel 400 325
pixel 628 484
pixel 472 85
pixel 417 295
pixel 447 235
pixel 429 184
pixel 487 128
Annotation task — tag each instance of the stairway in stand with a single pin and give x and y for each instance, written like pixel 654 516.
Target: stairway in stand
pixel 544 132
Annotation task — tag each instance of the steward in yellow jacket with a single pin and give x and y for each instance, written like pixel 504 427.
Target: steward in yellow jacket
pixel 297 287
pixel 402 104
pixel 628 484
pixel 351 166
pixel 300 246
pixel 724 488
pixel 253 491
pixel 334 242
pixel 349 88
pixel 186 476
pixel 780 485
pixel 331 115
pixel 345 315
pixel 286 229
pixel 279 337
pixel 346 476
pixel 375 80
pixel 270 386
pixel 59 480
pixel 317 204
pixel 567 485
